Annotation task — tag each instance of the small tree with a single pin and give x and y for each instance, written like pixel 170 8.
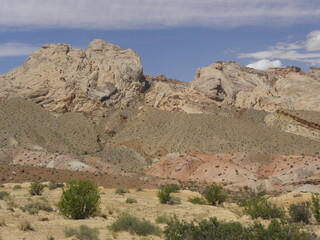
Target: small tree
pixel 316 207
pixel 214 195
pixel 80 200
pixel 36 188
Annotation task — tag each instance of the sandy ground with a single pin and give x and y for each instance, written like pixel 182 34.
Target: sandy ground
pixel 112 205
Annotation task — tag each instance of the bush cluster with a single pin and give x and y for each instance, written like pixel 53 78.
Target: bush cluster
pixel 83 233
pixel 261 207
pixel 214 229
pixel 214 195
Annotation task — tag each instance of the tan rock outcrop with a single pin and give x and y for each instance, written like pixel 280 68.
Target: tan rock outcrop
pixel 64 79
pixel 228 83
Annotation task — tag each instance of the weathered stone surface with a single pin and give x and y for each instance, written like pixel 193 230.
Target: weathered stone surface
pixel 228 83
pixel 64 79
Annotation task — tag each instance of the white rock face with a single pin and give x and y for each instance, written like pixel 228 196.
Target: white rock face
pixel 65 79
pixel 229 83
pixel 222 81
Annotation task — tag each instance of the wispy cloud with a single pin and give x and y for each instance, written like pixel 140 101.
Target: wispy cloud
pixel 15 49
pixel 304 51
pixel 313 42
pixel 142 14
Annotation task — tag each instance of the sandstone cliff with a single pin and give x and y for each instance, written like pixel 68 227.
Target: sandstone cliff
pixel 64 79
pixel 229 83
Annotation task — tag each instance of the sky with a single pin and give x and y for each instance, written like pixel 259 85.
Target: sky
pixel 172 37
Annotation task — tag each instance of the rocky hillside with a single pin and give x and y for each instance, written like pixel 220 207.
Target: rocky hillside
pixel 94 110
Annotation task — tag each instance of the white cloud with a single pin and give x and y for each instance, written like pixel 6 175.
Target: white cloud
pixel 280 54
pixel 313 42
pixel 292 51
pixel 289 46
pixel 138 14
pixel 15 49
pixel 265 64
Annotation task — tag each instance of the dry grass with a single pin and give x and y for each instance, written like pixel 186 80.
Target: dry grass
pixel 25 225
pixel 2 222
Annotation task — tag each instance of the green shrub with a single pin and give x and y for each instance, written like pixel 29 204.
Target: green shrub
pixel 132 224
pixel 17 187
pixel 300 212
pixel 261 207
pixel 214 195
pixel 80 200
pixel 315 208
pixel 278 231
pixel 172 188
pixel 164 197
pixel 164 194
pixel 54 185
pixel 131 200
pixel 3 195
pixel 214 229
pixel 36 188
pixel 203 230
pixel 121 191
pixel 197 200
pixel 84 233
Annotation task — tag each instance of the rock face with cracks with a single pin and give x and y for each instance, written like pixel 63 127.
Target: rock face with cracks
pixel 228 83
pixel 64 79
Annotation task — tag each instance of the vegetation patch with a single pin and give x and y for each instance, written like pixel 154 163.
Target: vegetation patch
pixel 132 224
pixel 121 191
pixel 131 200
pixel 36 188
pixel 54 185
pixel 164 194
pixel 214 229
pixel 80 200
pixel 300 212
pixel 197 200
pixel 214 195
pixel 36 206
pixel 261 207
pixel 83 233
pixel 315 208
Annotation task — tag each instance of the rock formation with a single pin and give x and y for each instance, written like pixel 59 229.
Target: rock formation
pixel 228 83
pixel 64 79
pixel 133 124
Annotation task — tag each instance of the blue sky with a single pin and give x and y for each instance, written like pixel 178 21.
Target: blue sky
pixel 172 37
